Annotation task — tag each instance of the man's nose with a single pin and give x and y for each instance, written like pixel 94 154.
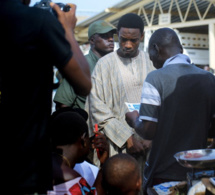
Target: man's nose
pixel 128 44
pixel 110 38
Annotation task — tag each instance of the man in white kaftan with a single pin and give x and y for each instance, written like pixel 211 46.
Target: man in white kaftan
pixel 118 78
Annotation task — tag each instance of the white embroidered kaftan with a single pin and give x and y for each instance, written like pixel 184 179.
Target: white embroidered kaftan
pixel 116 80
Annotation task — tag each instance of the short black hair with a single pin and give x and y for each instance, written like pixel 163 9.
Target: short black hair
pixel 67 125
pixel 80 111
pixel 131 20
pixel 119 172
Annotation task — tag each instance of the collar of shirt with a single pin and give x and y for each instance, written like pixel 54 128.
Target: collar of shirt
pixel 177 59
pixel 92 59
pixel 93 56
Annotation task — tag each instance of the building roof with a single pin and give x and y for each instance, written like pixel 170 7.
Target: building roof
pixel 188 15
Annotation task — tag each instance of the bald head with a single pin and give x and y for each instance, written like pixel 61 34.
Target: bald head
pixel 165 37
pixel 121 175
pixel 163 44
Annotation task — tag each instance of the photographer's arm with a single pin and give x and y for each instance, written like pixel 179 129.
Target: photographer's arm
pixel 77 69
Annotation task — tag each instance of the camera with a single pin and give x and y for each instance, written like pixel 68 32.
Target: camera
pixel 45 4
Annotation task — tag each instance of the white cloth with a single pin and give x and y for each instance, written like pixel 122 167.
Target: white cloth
pixel 87 171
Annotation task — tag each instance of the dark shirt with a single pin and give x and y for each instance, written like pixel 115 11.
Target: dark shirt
pixel 65 93
pixel 33 41
pixel 187 96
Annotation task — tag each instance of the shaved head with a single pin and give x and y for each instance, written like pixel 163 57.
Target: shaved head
pixel 121 175
pixel 165 37
pixel 163 44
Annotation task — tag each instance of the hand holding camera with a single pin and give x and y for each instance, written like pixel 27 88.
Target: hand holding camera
pixel 68 19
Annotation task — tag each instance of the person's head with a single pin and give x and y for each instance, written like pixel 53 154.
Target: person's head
pixel 100 34
pixel 130 33
pixel 121 175
pixel 69 131
pixel 163 44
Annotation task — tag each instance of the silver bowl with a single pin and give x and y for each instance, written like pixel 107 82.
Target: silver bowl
pixel 200 159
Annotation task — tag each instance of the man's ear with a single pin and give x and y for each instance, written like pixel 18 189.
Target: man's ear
pixel 157 50
pixel 142 36
pixel 83 140
pixel 139 184
pixel 91 40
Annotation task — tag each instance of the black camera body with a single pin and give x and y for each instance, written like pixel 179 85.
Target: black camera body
pixel 45 4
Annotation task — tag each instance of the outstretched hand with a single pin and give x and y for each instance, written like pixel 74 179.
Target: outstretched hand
pixel 134 146
pixel 100 142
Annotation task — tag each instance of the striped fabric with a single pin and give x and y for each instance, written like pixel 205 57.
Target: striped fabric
pixel 150 100
pixel 150 97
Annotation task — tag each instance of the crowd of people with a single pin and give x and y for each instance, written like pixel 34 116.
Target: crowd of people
pixel 62 152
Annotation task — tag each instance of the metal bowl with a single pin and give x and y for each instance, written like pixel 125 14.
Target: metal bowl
pixel 200 159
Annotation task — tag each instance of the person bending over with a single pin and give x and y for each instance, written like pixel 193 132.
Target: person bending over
pixel 169 114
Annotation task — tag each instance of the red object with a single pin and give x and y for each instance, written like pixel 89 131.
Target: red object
pixel 96 127
pixel 82 188
pixel 97 150
pixel 193 155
